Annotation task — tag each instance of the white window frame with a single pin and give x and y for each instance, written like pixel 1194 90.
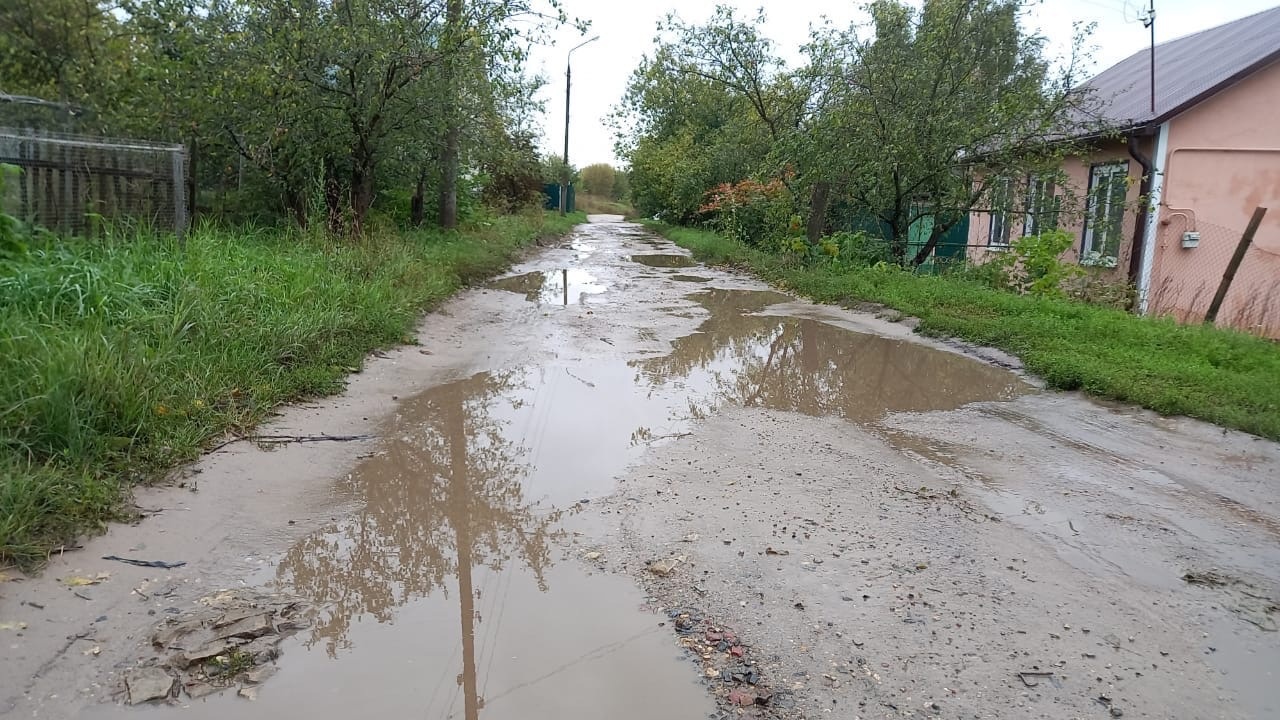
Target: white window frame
pixel 1101 176
pixel 1000 216
pixel 1039 203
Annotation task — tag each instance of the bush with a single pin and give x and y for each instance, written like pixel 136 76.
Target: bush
pixel 1033 264
pixel 758 214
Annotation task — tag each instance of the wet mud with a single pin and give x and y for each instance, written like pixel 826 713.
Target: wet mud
pixel 597 491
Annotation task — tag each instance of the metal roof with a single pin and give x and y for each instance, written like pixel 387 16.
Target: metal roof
pixel 1188 70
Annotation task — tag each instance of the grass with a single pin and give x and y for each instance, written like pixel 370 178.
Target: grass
pixel 125 357
pixel 597 205
pixel 1222 376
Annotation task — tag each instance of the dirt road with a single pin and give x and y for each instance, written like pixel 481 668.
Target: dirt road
pixel 619 485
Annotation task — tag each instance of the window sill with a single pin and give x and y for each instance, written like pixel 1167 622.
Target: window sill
pixel 997 248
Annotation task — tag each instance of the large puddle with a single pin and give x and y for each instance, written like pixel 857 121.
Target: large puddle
pixel 453 590
pixel 664 260
pixel 566 286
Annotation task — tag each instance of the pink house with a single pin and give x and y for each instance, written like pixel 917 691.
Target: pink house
pixel 1165 204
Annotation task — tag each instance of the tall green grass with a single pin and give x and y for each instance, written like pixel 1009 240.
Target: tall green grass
pixel 125 356
pixel 1222 376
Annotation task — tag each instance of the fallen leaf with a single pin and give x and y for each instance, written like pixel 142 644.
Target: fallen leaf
pixel 78 581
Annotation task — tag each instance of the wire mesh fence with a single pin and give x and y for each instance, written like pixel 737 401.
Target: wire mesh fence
pixel 79 184
pixel 1191 257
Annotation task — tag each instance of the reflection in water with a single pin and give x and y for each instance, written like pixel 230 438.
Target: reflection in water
pixel 559 287
pixel 456 491
pixel 810 367
pixel 445 496
pixel 664 260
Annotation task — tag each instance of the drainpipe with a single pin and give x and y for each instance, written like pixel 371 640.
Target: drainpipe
pixel 1155 197
pixel 1140 227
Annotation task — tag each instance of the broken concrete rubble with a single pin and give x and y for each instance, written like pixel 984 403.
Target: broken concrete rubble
pixel 235 636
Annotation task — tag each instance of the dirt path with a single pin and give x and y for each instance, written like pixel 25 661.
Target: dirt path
pixel 847 521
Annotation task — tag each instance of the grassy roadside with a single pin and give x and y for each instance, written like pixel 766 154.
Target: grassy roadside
pixel 598 205
pixel 1224 377
pixel 122 359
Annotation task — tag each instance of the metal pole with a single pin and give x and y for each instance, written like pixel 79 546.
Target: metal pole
pixel 568 85
pixel 179 153
pixel 1151 23
pixel 564 171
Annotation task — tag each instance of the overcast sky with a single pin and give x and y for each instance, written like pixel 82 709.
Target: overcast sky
pixel 626 29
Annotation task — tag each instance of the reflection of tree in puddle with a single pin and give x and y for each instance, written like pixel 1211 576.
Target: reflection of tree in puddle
pixel 810 367
pixel 445 496
pixel 552 288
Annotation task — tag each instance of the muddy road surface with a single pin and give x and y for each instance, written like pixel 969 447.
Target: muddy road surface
pixel 616 484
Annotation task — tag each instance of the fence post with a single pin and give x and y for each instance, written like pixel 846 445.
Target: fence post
pixel 180 193
pixel 1234 265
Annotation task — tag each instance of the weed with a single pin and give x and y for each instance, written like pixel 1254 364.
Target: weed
pixel 125 356
pixel 1222 376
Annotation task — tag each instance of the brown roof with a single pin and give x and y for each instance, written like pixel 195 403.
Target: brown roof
pixel 1188 70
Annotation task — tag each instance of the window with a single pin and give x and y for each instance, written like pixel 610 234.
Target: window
pixel 1041 206
pixel 1104 214
pixel 998 232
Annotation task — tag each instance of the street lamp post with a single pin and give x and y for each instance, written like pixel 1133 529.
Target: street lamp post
pixel 568 84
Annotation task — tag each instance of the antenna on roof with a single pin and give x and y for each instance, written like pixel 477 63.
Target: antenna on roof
pixel 1150 22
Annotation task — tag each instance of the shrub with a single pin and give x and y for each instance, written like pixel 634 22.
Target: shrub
pixel 750 212
pixel 1034 266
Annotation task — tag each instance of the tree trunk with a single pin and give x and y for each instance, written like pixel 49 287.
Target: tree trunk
pixel 452 137
pixel 818 201
pixel 332 199
pixel 417 205
pixel 361 193
pixel 296 202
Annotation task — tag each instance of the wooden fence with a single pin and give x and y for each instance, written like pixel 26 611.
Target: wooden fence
pixel 78 185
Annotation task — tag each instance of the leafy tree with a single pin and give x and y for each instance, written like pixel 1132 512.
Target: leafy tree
pixel 922 113
pixel 598 179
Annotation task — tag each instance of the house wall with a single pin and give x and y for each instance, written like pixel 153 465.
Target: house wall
pixel 1072 191
pixel 1223 161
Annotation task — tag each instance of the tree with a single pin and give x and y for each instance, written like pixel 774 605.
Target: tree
pixel 326 103
pixel 598 179
pixel 920 116
pixel 911 109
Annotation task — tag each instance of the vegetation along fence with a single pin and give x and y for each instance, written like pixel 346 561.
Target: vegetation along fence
pixel 1193 256
pixel 77 184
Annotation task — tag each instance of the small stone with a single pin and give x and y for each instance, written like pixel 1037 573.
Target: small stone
pixel 148 683
pixel 592 556
pixel 247 628
pixel 711 672
pixel 1116 712
pixel 260 674
pixel 201 654
pixel 197 690
pixel 248 693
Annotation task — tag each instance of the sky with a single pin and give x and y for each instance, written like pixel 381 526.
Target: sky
pixel 627 28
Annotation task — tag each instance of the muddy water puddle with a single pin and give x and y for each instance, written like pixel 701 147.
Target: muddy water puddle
pixel 690 278
pixel 664 260
pixel 566 286
pixel 455 590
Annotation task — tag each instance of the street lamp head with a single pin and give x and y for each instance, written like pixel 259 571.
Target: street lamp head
pixel 584 42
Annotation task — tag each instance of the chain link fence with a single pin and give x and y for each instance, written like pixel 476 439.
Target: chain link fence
pixel 80 185
pixel 1191 257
